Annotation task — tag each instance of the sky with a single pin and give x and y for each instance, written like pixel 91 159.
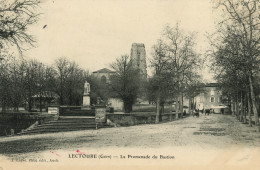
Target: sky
pixel 93 33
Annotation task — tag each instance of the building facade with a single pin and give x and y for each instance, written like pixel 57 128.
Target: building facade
pixel 138 57
pixel 211 97
pixel 103 74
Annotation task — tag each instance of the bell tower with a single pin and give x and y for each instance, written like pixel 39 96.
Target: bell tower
pixel 138 56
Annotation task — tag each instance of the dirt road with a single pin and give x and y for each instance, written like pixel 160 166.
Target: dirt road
pixel 207 138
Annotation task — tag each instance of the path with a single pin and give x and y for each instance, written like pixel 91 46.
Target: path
pixel 195 139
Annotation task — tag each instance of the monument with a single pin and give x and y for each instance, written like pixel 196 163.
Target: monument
pixel 86 95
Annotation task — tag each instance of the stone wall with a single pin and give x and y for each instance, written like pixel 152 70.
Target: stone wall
pixel 135 119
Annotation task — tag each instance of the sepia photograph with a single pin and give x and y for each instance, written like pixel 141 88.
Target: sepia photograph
pixel 129 84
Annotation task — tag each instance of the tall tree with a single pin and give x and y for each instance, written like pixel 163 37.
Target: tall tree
pixel 44 83
pixel 31 81
pixel 62 72
pixel 161 83
pixel 74 84
pixel 184 60
pixel 17 78
pixel 125 83
pixel 174 59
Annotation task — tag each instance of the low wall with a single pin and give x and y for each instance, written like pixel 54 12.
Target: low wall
pixel 135 119
pixel 76 111
pixel 18 121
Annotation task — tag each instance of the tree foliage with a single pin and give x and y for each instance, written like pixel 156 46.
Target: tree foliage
pixel 25 82
pixel 16 16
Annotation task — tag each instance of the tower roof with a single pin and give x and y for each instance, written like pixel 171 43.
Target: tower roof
pixel 138 44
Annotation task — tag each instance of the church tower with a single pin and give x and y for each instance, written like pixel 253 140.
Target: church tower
pixel 138 56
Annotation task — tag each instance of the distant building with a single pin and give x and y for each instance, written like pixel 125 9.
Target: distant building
pixel 138 56
pixel 46 97
pixel 103 74
pixel 211 97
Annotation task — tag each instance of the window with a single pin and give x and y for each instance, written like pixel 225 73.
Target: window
pixel 212 92
pixel 212 99
pixel 138 59
pixel 138 56
pixel 103 79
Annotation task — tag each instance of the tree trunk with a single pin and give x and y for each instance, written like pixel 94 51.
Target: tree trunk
pixel 189 105
pixel 237 107
pixel 61 89
pixel 253 101
pixel 177 109
pixel 245 112
pixel 157 118
pixel 127 106
pixel 3 106
pixel 70 97
pixel 161 112
pixel 30 104
pixel 233 107
pixel 61 98
pixel 249 108
pixel 241 108
pixel 181 105
pixel 193 103
pixel 40 101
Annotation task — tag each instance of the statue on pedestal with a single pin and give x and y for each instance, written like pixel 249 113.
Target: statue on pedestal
pixel 86 88
pixel 86 95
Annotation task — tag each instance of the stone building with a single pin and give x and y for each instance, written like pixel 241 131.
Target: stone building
pixel 103 74
pixel 211 98
pixel 138 56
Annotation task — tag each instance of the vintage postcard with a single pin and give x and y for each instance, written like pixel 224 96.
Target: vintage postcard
pixel 120 84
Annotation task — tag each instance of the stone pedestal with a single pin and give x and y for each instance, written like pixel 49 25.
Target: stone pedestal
pixel 53 110
pixel 100 114
pixel 12 132
pixel 86 101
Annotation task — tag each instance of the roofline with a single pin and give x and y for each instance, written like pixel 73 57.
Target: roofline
pixel 109 71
